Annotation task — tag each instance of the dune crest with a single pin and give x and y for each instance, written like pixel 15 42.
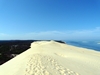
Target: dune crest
pixel 53 58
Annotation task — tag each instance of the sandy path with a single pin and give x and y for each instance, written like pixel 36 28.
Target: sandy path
pixel 50 67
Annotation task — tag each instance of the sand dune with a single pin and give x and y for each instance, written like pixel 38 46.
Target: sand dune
pixel 53 58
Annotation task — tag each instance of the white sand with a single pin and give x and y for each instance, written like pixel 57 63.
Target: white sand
pixel 52 58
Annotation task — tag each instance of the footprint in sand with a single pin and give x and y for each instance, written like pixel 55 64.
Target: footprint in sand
pixel 62 55
pixel 36 66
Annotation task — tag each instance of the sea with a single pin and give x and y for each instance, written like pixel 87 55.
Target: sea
pixel 94 45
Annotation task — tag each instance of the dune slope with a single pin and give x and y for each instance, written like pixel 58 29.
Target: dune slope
pixel 53 58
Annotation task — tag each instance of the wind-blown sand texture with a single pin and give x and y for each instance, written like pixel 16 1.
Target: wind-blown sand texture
pixel 53 58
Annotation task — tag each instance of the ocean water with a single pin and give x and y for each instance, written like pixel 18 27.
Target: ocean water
pixel 95 45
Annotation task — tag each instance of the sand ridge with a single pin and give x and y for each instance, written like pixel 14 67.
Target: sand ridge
pixel 53 58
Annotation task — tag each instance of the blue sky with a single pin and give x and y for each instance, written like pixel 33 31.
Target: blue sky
pixel 50 19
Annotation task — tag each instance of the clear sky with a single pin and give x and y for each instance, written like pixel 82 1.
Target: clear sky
pixel 50 19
